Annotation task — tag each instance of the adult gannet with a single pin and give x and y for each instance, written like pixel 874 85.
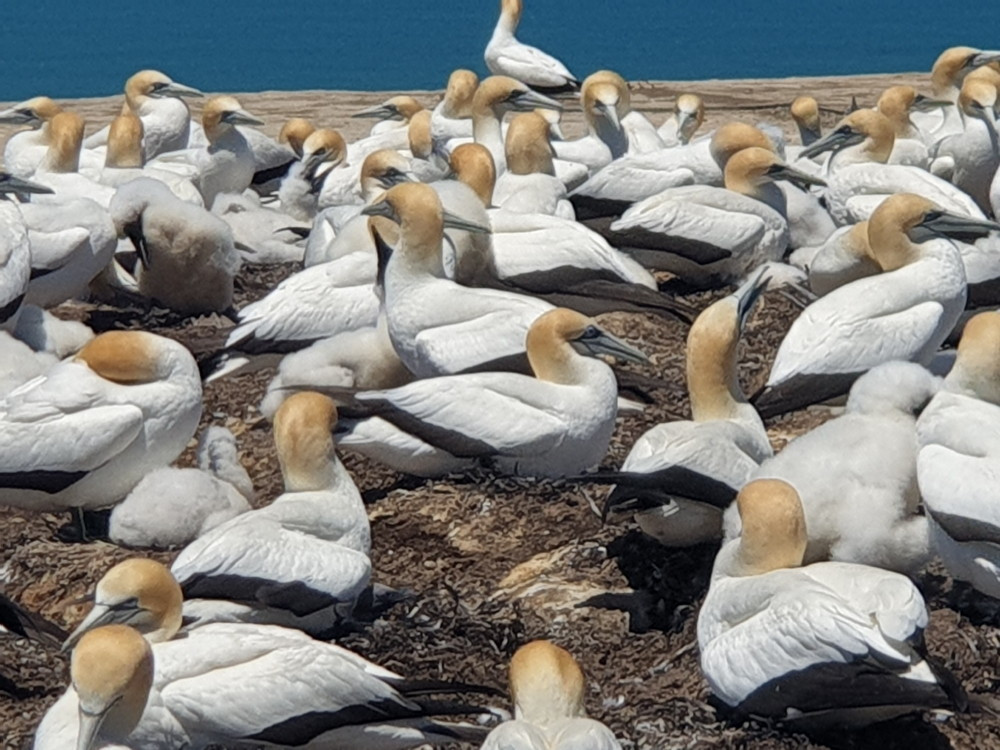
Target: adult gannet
pixel 236 684
pixel 903 313
pixel 24 150
pixel 299 191
pixel 682 475
pixel 969 158
pixel 843 258
pixel 262 234
pixel 706 234
pixel 947 75
pixel 301 561
pixel 555 424
pixel 59 169
pixel 505 56
pixel 294 133
pixel 15 250
pixel 549 690
pixel 187 261
pixel 158 101
pixel 127 403
pixel 496 96
pixel 959 460
pixel 805 113
pixel 529 184
pixel 437 326
pixel 832 644
pixel 896 103
pixel 170 507
pixel 452 117
pixel 859 178
pixel 392 114
pixel 604 103
pixel 687 117
pixel 429 160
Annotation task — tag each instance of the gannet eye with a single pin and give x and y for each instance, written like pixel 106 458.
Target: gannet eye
pixel 590 332
pixel 933 215
pixel 845 130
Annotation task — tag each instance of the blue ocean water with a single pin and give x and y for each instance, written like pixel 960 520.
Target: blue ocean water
pixel 67 48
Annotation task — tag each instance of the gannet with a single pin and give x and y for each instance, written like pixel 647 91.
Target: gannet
pixel 429 156
pixel 59 169
pixel 127 403
pixel 299 191
pixel 843 258
pixel 529 184
pixel 505 56
pixel 896 103
pixel 235 683
pixel 687 117
pixel 19 363
pixel 969 159
pixel 262 234
pixel 859 178
pixel 549 691
pixel 45 333
pixel 187 260
pixel 947 74
pixel 959 460
pixel 15 250
pixel 158 101
pixel 353 184
pixel 301 561
pixel 682 475
pixel 555 424
pixel 294 133
pixel 706 234
pixel 903 313
pixel 392 114
pixel 496 96
pixel 452 117
pixel 604 103
pixel 170 507
pixel 24 150
pixel 827 644
pixel 273 159
pixel 805 113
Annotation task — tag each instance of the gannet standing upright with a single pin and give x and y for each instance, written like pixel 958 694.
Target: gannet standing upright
pixel 505 56
pixel 496 96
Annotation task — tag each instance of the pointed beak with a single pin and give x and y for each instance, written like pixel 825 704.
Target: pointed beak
pixel 604 344
pixel 610 113
pixel 100 615
pixel 90 725
pixel 748 294
pixel 452 221
pixel 836 141
pixel 11 184
pixel 241 117
pixel 378 112
pixel 794 176
pixel 625 499
pixel 529 100
pixel 15 116
pixel 133 230
pixel 957 225
pixel 925 104
pixel 380 208
pixel 984 58
pixel 311 162
pixel 179 90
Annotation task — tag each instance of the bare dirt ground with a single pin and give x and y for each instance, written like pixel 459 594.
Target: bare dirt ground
pixel 494 562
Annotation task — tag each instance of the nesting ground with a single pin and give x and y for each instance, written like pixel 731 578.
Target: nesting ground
pixel 494 562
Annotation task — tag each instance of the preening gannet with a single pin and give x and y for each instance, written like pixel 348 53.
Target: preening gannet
pixel 680 476
pixel 299 191
pixel 958 465
pixel 234 683
pixel 896 103
pixel 706 234
pixel 529 184
pixel 903 313
pixel 555 424
pixel 187 260
pixel 805 112
pixel 496 96
pixel 548 689
pixel 827 644
pixel 506 56
pixel 86 432
pixel 680 127
pixel 452 117
pixel 429 160
pixel 171 507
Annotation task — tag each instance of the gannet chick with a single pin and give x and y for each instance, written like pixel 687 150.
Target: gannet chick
pixel 557 423
pixel 969 159
pixel 529 185
pixel 171 507
pixel 548 689
pixel 506 56
pixel 222 683
pixel 783 641
pixel 301 561
pixel 24 150
pixel 805 113
pixel 903 313
pixel 187 260
pixel 299 192
pixel 15 250
pixel 680 476
pixel 687 117
pixel 496 96
pixel 959 458
pixel 127 403
pixel 452 117
pixel 707 235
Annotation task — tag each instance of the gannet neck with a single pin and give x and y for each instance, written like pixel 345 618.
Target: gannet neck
pixel 895 103
pixel 65 139
pixel 546 684
pixel 878 139
pixel 112 674
pixel 510 17
pixel 303 436
pixel 527 148
pixel 550 352
pixel 774 528
pixel 125 142
pixel 733 137
pixel 457 102
pixel 419 134
pixel 473 165
pixel 889 227
pixel 294 132
pixel 977 367
pixel 417 210
pixel 606 102
pixel 949 70
pixel 805 112
pixel 712 345
pixel 486 115
pixel 220 117
pixel 748 172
